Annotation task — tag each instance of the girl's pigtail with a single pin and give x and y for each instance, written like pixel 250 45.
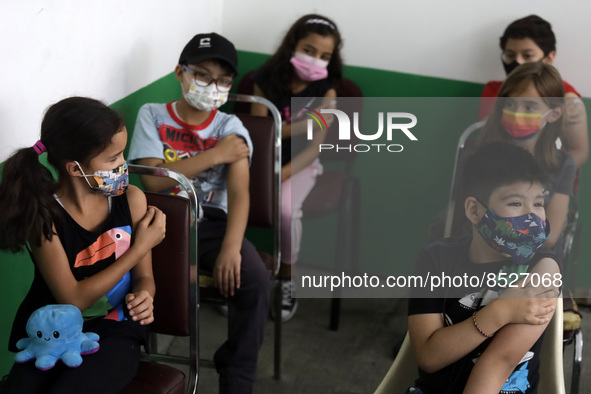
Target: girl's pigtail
pixel 28 208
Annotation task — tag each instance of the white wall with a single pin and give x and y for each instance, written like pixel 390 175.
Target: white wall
pixel 455 39
pixel 104 49
pixel 109 48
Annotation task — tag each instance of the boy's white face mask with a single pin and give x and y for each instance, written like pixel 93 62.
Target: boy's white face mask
pixel 205 98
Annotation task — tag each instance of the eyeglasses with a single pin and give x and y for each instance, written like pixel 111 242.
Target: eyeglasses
pixel 203 79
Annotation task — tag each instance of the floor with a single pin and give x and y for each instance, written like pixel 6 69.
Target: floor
pixel 316 360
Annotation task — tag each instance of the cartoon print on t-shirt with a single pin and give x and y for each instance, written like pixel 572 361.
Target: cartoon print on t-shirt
pixel 115 241
pixel 112 243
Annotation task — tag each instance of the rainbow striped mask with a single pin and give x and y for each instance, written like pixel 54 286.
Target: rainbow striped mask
pixel 522 126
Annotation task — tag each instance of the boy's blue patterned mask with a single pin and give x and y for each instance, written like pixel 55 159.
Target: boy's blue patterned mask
pixel 516 237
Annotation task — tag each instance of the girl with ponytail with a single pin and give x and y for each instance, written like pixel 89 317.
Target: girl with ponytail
pixel 89 236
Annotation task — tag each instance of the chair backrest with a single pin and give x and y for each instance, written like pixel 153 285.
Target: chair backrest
pixel 263 181
pixel 403 372
pixel 174 312
pixel 551 362
pixel 455 217
pixel 265 169
pixel 170 264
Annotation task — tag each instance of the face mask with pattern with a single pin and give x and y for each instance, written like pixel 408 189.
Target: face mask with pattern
pixel 522 126
pixel 205 98
pixel 516 237
pixel 111 183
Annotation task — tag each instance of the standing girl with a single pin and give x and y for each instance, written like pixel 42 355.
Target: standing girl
pixel 529 113
pixel 89 237
pixel 306 64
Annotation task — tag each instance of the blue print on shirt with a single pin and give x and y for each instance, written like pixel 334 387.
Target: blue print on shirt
pixel 517 382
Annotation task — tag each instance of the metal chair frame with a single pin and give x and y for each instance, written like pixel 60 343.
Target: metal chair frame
pixel 193 360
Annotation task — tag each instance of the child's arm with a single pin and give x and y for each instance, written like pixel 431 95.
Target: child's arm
pixel 226 271
pixel 437 346
pixel 54 267
pixel 576 128
pixel 308 155
pixel 294 128
pixel 228 150
pixel 556 212
pixel 508 346
pixel 304 158
pixel 140 301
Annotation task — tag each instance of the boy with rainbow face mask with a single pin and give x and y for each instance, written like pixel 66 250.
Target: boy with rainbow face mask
pixel 213 149
pixel 485 337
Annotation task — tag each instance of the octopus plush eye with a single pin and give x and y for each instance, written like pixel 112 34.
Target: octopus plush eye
pixel 39 334
pixel 56 334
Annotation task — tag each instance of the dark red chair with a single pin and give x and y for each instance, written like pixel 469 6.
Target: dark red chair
pixel 172 307
pixel 265 201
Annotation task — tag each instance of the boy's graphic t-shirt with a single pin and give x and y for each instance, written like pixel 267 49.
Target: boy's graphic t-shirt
pixel 451 257
pixel 161 134
pixel 88 253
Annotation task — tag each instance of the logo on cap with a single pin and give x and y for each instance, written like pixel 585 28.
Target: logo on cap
pixel 205 42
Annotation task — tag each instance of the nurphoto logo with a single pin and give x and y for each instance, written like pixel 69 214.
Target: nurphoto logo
pixel 315 115
pixel 394 125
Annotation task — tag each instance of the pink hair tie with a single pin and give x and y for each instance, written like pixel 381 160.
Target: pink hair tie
pixel 39 147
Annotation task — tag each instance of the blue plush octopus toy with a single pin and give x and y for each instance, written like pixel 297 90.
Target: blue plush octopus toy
pixel 55 332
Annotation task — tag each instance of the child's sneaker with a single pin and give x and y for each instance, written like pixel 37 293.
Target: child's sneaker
pixel 289 303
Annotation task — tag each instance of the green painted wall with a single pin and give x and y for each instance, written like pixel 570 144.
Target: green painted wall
pixel 426 181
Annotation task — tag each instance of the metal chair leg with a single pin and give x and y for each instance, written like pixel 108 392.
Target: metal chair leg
pixel 577 360
pixel 335 313
pixel 277 356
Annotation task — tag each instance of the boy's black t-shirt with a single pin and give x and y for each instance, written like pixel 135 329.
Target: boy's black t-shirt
pixel 450 256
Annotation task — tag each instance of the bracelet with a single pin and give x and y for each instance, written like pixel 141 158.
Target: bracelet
pixel 478 328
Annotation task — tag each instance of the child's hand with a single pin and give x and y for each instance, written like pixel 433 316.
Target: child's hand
pixel 528 305
pixel 328 104
pixel 226 272
pixel 141 306
pixel 231 148
pixel 151 229
pixel 285 172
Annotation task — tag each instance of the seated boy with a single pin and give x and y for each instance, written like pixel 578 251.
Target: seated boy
pixel 212 149
pixel 482 336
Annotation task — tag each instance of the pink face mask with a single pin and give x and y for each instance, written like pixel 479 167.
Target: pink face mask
pixel 309 68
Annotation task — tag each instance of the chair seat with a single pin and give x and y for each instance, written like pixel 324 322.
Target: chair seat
pixel 326 194
pixel 156 378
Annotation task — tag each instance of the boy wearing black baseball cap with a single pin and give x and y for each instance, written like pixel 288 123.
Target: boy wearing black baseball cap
pixel 212 149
